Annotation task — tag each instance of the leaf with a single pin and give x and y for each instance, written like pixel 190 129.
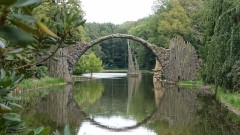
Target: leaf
pixel 18 79
pixel 48 40
pixel 67 130
pixel 16 50
pixel 4 108
pixel 15 105
pixel 7 2
pixel 26 27
pixel 3 74
pixel 69 42
pixel 6 83
pixel 59 27
pixel 16 126
pixel 9 57
pixel 45 29
pixel 57 132
pixel 38 130
pixel 22 58
pixel 31 132
pixel 26 10
pixel 80 22
pixel 45 131
pixel 16 35
pixel 12 75
pixel 12 117
pixel 55 58
pixel 11 98
pixel 27 18
pixel 23 3
pixel 2 44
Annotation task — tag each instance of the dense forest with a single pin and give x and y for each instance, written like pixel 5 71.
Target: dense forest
pixel 33 31
pixel 211 26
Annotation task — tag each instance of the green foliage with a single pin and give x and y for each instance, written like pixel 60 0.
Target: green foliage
pixel 23 38
pixel 233 99
pixel 67 131
pixel 42 82
pixel 234 76
pixel 64 19
pixel 88 63
pixel 174 21
pixel 41 72
pixel 112 52
pixel 221 43
pixel 191 84
pixel 10 121
pixel 89 93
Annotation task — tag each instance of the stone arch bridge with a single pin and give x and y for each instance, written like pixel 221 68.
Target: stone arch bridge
pixel 179 62
pixel 78 50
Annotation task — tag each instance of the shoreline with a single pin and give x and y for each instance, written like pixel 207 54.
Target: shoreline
pixel 229 107
pixel 208 89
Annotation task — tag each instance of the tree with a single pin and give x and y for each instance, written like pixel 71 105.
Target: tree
pixel 64 19
pixel 113 51
pixel 174 21
pixel 220 51
pixel 23 38
pixel 88 63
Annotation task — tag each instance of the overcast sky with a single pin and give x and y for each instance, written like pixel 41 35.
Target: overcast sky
pixel 116 11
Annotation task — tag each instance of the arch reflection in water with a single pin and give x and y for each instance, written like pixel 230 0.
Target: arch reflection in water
pixel 117 125
pixel 123 108
pixel 177 110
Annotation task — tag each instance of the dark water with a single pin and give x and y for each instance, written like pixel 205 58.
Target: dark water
pixel 128 106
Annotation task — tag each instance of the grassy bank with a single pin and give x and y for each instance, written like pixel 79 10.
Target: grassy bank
pixel 190 84
pixel 232 99
pixel 39 83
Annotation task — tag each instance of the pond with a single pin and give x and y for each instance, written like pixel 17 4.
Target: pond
pixel 122 105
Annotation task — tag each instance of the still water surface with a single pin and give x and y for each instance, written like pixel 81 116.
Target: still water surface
pixel 120 105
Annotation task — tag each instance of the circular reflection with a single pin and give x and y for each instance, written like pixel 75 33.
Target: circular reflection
pixel 115 125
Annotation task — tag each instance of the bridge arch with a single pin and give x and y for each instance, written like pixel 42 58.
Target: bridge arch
pixel 78 50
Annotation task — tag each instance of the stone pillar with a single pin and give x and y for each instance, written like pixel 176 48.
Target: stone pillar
pixel 157 77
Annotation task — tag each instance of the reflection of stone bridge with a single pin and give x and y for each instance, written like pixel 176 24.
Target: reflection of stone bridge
pixel 177 106
pixel 178 62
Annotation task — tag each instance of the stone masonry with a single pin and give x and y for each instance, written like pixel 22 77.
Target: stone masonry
pixel 180 55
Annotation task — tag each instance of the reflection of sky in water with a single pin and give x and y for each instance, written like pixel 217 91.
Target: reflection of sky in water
pixel 115 122
pixel 105 75
pixel 106 110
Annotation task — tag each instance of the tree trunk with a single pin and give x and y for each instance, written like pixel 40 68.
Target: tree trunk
pixel 59 67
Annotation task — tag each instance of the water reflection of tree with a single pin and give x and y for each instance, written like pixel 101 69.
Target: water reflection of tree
pixel 176 109
pixel 87 93
pixel 188 112
pixel 214 119
pixel 55 109
pixel 133 86
pixel 137 91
